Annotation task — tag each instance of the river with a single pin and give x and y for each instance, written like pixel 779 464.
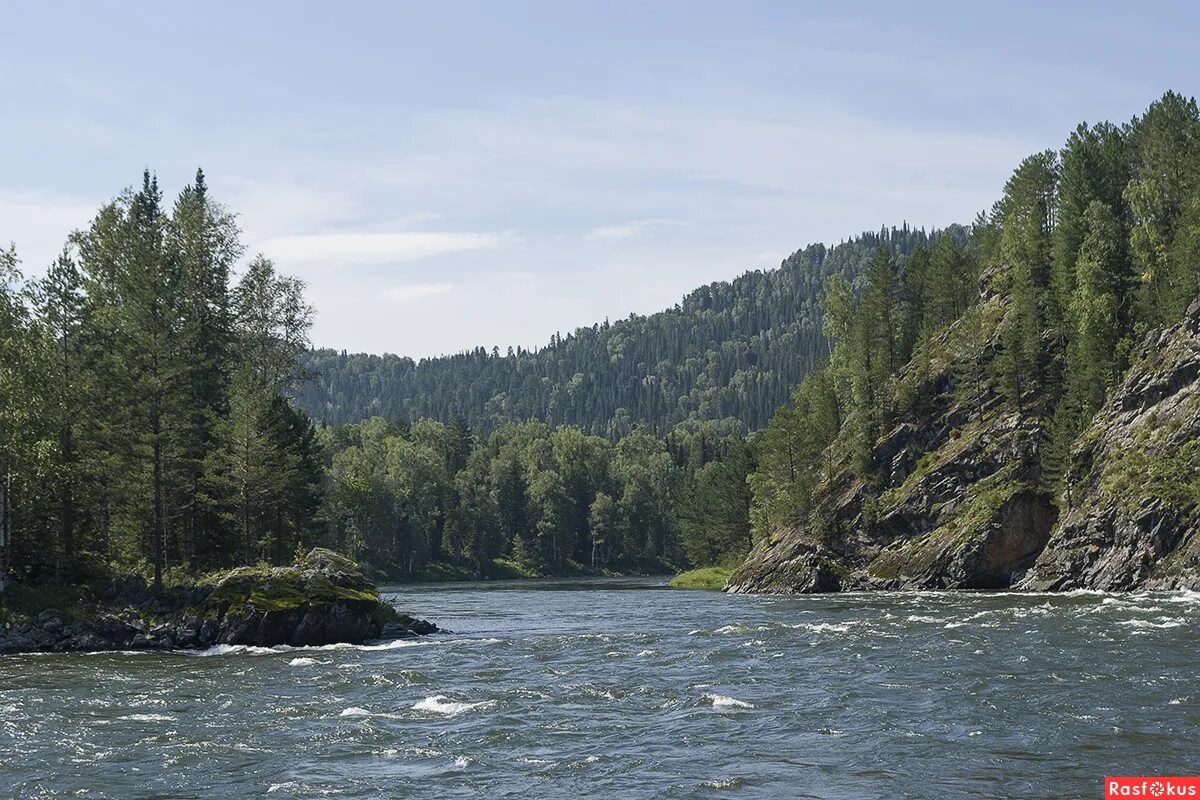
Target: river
pixel 621 688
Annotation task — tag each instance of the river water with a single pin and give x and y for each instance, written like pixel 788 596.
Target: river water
pixel 620 688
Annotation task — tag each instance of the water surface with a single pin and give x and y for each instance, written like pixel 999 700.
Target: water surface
pixel 620 688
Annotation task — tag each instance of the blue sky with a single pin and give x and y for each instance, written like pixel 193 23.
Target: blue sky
pixel 446 175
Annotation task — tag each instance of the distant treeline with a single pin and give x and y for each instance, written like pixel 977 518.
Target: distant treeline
pixel 730 350
pixel 548 500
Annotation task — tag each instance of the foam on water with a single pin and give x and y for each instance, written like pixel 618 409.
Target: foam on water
pixel 725 701
pixel 149 718
pixel 440 704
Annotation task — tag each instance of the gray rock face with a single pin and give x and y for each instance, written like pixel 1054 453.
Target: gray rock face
pixel 322 599
pixel 1132 497
pixel 959 504
pixel 955 505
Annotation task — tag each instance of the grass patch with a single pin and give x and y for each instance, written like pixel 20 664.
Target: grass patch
pixel 712 578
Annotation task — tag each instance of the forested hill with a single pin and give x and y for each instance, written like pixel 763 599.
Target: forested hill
pixel 729 350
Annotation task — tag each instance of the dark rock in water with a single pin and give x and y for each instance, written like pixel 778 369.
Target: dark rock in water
pixel 794 566
pixel 322 599
pixel 1132 499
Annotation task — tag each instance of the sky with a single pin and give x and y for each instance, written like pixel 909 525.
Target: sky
pixel 447 175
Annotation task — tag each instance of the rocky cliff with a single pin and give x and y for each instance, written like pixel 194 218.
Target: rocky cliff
pixel 956 500
pixel 1131 506
pixel 953 503
pixel 321 599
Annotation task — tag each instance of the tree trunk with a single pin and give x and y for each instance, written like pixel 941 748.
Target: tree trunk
pixel 5 528
pixel 68 504
pixel 156 426
pixel 104 524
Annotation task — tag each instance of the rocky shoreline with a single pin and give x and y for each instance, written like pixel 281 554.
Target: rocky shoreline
pixel 962 504
pixel 321 599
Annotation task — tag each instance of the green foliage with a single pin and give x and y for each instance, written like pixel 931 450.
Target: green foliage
pixel 711 578
pixel 1087 250
pixel 150 419
pixel 727 350
pixel 536 500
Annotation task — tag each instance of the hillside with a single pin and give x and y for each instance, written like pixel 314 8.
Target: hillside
pixel 732 349
pixel 1044 436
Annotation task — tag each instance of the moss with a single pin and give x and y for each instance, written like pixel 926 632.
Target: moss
pixel 984 501
pixel 978 511
pixel 960 440
pixel 1170 474
pixel 275 597
pixel 321 577
pixel 704 578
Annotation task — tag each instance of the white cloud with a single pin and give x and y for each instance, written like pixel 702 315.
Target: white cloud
pixel 403 294
pixel 632 228
pixel 377 248
pixel 39 223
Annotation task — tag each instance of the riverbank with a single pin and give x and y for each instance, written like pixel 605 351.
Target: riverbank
pixel 506 569
pixel 322 599
pixel 708 578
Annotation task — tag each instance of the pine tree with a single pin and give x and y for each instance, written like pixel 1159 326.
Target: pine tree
pixel 204 241
pixel 150 317
pixel 61 305
pixel 1165 146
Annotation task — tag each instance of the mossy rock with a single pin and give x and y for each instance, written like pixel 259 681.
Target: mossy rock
pixel 321 577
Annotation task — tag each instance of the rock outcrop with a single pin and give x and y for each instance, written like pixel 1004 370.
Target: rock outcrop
pixel 321 599
pixel 1132 499
pixel 955 503
pixel 958 503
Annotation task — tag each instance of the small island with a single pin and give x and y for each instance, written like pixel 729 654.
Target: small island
pixel 323 598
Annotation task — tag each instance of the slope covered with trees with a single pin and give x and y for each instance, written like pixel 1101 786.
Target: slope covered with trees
pixel 952 418
pixel 948 468
pixel 145 426
pixel 728 350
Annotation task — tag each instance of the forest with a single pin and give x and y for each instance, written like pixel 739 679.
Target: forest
pixel 162 410
pixel 147 426
pixel 534 500
pixel 729 350
pixel 1089 249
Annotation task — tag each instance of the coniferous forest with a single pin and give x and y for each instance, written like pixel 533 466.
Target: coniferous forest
pixel 1090 249
pixel 162 410
pixel 729 350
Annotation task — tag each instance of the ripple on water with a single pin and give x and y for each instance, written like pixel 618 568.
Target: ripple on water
pixel 523 702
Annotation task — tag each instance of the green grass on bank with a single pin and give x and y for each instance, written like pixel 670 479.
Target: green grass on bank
pixel 703 578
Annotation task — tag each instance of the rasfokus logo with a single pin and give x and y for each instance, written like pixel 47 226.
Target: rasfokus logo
pixel 1161 786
